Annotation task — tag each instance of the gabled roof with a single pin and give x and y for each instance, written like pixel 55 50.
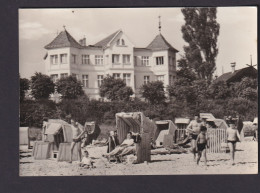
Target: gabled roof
pixel 107 40
pixel 160 43
pixel 64 39
pixel 238 75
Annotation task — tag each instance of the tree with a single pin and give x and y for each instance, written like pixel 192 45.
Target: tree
pixel 115 89
pixel 24 86
pixel 201 32
pixel 185 71
pixel 246 88
pixel 42 86
pixel 69 87
pixel 219 90
pixel 153 92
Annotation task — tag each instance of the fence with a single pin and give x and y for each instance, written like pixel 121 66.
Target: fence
pixel 217 137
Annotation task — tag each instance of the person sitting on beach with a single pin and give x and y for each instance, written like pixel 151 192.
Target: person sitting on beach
pixel 194 129
pixel 86 161
pixel 202 144
pixel 128 142
pixel 232 138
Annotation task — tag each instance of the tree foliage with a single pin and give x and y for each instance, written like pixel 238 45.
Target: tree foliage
pixel 246 88
pixel 41 85
pixel 115 89
pixel 153 92
pixel 219 90
pixel 69 87
pixel 201 32
pixel 24 86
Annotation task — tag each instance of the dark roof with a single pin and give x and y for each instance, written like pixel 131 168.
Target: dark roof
pixel 238 75
pixel 160 43
pixel 105 41
pixel 64 39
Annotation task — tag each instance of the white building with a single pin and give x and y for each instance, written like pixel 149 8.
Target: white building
pixel 114 55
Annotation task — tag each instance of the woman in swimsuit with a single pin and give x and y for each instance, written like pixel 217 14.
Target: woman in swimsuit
pixel 232 138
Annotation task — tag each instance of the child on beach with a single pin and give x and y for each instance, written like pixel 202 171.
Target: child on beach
pixel 86 161
pixel 201 144
pixel 232 138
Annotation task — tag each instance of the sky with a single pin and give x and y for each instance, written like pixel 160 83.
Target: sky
pixel 38 27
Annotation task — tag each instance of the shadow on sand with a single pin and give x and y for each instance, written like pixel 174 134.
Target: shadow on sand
pixel 161 160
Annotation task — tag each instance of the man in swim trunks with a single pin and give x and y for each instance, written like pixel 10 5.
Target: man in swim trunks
pixel 232 138
pixel 77 132
pixel 194 129
pixel 202 144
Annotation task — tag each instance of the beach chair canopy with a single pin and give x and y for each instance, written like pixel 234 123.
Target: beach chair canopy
pixel 53 128
pixel 220 123
pixel 207 116
pixel 135 122
pixel 162 125
pixel 182 121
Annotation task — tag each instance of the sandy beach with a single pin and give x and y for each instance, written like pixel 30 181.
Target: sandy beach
pixel 170 164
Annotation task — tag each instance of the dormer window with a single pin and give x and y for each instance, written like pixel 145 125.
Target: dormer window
pixel 120 42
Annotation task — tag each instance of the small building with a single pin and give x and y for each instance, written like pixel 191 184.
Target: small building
pixel 238 75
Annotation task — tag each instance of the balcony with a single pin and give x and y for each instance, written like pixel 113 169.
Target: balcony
pixel 120 65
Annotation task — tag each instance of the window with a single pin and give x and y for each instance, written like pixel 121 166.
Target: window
pixel 145 60
pixel 100 80
pixel 99 60
pixel 169 60
pixel 146 79
pixel 159 60
pixel 126 59
pixel 135 58
pixel 160 78
pixel 127 79
pixel 85 59
pixel 115 58
pixel 54 77
pixel 73 59
pixel 85 81
pixel 118 42
pixel 116 75
pixel 54 59
pixel 123 42
pixel 63 58
pixel 64 75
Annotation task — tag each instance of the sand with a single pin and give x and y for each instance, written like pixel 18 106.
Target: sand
pixel 171 164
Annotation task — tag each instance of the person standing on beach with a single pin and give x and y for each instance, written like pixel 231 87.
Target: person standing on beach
pixel 194 129
pixel 77 132
pixel 232 138
pixel 202 144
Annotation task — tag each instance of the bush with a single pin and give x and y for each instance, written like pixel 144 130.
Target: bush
pixel 33 112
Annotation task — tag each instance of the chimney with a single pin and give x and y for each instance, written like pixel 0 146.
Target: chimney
pixel 82 41
pixel 233 65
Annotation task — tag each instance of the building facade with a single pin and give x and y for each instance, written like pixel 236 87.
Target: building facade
pixel 115 55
